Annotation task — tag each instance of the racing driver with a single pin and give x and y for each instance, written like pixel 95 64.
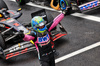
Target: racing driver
pixel 42 39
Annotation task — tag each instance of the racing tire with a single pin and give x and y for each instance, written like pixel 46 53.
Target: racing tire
pixel 2 42
pixel 3 5
pixel 2 53
pixel 22 2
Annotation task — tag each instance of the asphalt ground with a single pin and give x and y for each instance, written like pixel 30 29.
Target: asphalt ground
pixel 81 33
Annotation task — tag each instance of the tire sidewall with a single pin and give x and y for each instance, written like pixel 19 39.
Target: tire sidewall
pixel 2 42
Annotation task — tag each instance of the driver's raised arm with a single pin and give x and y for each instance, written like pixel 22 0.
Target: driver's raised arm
pixel 56 21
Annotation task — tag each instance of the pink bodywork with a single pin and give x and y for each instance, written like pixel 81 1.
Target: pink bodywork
pixel 56 21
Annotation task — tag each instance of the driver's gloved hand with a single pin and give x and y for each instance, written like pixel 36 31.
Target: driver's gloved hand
pixel 67 12
pixel 64 12
pixel 21 34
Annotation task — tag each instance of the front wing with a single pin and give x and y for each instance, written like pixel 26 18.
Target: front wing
pixel 16 50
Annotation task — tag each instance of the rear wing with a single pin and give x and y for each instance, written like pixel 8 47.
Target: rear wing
pixel 45 15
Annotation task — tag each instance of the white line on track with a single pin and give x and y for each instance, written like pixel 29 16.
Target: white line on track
pixel 39 6
pixel 89 17
pixel 93 18
pixel 77 52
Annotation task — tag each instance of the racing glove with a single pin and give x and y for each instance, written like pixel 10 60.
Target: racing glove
pixel 67 12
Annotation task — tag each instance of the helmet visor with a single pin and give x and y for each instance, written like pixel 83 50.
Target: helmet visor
pixel 41 25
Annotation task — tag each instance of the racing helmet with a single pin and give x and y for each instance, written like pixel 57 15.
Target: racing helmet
pixel 38 24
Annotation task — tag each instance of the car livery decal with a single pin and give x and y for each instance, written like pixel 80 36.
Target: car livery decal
pixel 16 53
pixel 10 20
pixel 89 5
pixel 11 12
pixel 43 39
pixel 4 19
pixel 16 24
pixel 22 28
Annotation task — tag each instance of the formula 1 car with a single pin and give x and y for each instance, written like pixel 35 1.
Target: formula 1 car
pixel 10 30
